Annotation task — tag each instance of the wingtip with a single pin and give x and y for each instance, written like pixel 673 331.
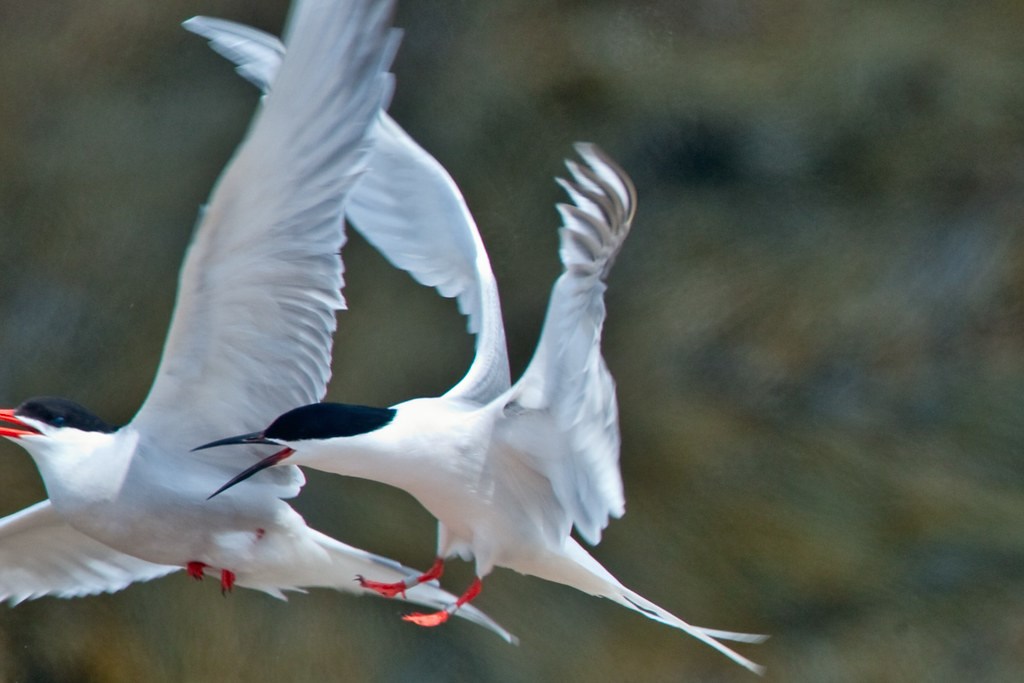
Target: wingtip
pixel 606 173
pixel 195 24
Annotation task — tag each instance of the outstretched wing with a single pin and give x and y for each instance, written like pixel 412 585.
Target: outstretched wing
pixel 409 208
pixel 40 554
pixel 253 323
pixel 563 410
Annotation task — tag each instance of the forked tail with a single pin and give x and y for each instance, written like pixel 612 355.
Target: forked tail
pixel 578 569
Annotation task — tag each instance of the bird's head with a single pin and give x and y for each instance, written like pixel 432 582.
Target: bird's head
pixel 48 427
pixel 298 428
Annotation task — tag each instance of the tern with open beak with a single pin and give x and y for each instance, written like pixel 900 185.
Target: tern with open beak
pixel 250 336
pixel 508 471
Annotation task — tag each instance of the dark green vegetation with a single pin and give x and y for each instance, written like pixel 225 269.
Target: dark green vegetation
pixel 817 326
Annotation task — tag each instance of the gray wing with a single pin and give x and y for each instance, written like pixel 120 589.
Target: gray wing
pixel 563 410
pixel 408 207
pixel 40 554
pixel 252 327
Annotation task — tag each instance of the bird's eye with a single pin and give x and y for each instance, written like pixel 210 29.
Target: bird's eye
pixel 58 421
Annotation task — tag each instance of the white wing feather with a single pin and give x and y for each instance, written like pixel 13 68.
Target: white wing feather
pixel 257 55
pixel 252 328
pixel 409 208
pixel 567 379
pixel 40 554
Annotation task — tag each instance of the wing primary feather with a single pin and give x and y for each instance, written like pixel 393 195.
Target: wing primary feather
pixel 254 319
pixel 567 378
pixel 408 207
pixel 41 554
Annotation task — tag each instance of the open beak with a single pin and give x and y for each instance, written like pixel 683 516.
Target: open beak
pixel 255 437
pixel 22 429
pixel 263 464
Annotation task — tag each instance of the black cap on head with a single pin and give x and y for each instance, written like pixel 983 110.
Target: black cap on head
pixel 62 412
pixel 327 421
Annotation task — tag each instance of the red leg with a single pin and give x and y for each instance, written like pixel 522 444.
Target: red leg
pixel 195 570
pixel 227 581
pixel 390 590
pixel 438 618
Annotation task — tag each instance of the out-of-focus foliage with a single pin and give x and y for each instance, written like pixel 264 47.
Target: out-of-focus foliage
pixel 817 327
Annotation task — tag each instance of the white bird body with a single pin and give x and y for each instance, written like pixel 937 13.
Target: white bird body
pixel 110 480
pixel 250 336
pixel 460 461
pixel 432 450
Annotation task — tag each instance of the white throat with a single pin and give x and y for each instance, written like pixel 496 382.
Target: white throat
pixel 79 466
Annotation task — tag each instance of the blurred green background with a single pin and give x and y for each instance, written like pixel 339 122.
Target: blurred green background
pixel 816 326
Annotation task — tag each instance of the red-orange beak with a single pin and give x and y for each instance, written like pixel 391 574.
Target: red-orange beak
pixel 22 429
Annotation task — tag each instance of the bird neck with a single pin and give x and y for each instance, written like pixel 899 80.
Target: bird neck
pixel 373 456
pixel 84 467
pixel 427 437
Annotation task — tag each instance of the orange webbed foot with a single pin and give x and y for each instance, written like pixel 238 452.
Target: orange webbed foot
pixel 432 619
pixel 438 618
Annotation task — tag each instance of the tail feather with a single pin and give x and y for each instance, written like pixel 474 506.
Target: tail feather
pixel 333 564
pixel 581 571
pixel 638 603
